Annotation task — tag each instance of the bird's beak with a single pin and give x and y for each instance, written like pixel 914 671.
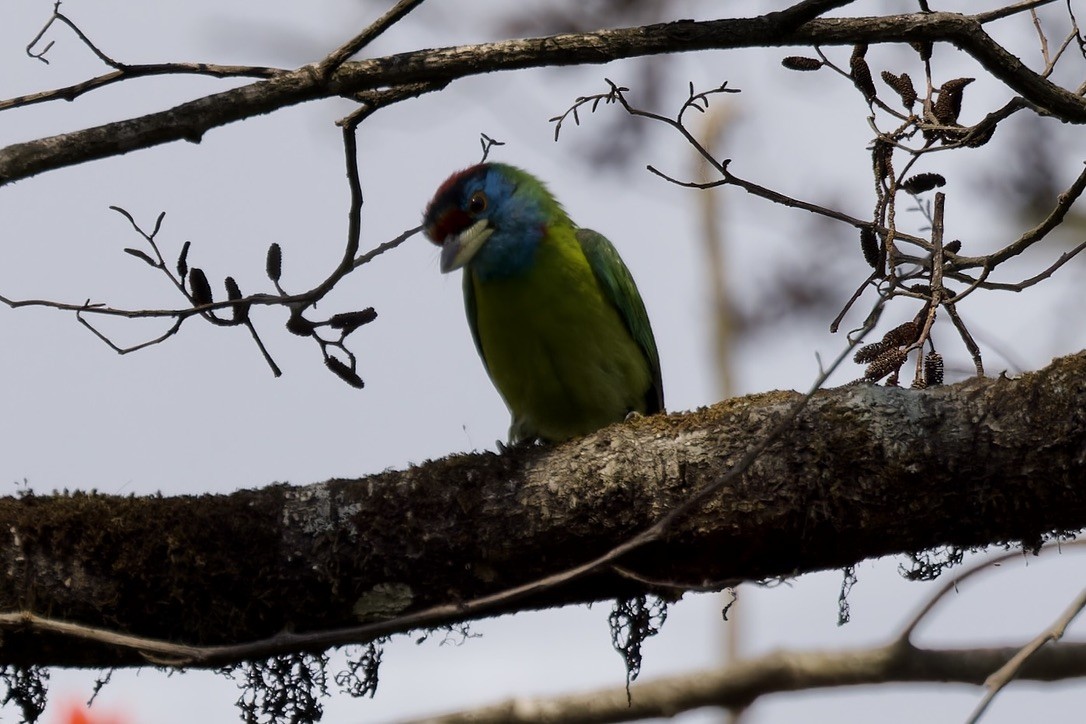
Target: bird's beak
pixel 458 250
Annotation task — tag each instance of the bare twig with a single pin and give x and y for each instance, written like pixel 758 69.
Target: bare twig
pixel 387 246
pixel 174 328
pixel 340 55
pixel 977 568
pixel 1006 673
pixel 1009 10
pixel 1063 204
pixel 129 72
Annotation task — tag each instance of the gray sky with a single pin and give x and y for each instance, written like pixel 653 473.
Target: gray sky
pixel 203 413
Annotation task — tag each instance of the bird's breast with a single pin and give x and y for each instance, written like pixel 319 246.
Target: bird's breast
pixel 557 349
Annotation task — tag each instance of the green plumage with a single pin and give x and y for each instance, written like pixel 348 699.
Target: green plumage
pixel 556 316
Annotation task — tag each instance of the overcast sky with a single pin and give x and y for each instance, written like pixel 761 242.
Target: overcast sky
pixel 202 412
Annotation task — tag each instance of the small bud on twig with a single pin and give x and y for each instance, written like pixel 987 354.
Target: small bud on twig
pixel 140 255
pixel 183 260
pixel 199 288
pixel 233 293
pixel 275 262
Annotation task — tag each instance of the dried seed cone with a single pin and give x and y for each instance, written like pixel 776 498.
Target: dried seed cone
pixel 882 157
pixel 801 62
pixel 200 289
pixel 869 352
pixel 922 182
pixel 869 244
pixel 949 103
pixel 933 369
pixel 350 321
pixel 888 362
pixel 902 335
pixel 344 372
pixel 233 293
pixel 861 76
pixel 902 85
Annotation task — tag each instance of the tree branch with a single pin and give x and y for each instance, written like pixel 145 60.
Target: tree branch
pixel 740 684
pixel 864 472
pixel 438 67
pixel 1012 669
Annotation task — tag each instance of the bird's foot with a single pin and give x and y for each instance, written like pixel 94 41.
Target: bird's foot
pixel 521 444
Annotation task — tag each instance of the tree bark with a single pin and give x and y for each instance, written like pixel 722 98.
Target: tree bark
pixel 863 471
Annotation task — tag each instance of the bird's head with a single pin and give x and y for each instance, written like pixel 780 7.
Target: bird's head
pixel 491 217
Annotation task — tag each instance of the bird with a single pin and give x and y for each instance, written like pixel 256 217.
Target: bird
pixel 554 312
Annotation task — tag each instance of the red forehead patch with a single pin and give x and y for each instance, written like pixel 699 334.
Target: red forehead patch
pixel 443 214
pixel 452 221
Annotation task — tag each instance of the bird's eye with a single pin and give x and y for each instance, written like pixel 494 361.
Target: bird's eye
pixel 477 203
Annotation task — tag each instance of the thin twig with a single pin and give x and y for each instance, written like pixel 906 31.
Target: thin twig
pixel 952 585
pixel 382 248
pixel 1064 202
pixel 967 338
pixel 130 72
pixel 1009 10
pixel 340 55
pixel 135 348
pixel 1006 673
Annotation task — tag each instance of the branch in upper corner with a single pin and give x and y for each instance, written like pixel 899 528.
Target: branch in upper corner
pixel 438 67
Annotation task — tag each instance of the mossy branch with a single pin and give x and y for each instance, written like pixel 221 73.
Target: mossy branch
pixel 865 471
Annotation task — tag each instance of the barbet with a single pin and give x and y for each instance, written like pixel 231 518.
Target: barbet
pixel 554 311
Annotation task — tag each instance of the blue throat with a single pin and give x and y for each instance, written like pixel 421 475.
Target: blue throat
pixel 507 254
pixel 518 223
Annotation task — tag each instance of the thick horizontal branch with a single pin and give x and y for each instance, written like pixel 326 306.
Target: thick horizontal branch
pixel 864 472
pixel 740 684
pixel 437 67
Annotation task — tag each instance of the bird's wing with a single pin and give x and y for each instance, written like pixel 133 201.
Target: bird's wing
pixel 619 288
pixel 472 314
